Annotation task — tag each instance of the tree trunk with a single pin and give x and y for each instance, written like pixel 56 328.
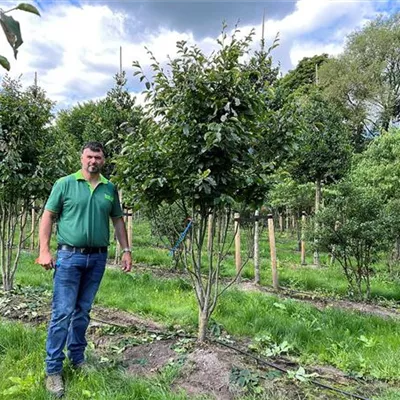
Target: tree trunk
pixel 203 322
pixel 256 250
pixel 238 257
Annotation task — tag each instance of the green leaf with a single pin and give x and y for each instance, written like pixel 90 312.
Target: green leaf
pixel 12 31
pixel 148 85
pixel 4 63
pixel 28 8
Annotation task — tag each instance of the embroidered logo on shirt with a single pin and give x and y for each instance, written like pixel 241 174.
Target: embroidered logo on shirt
pixel 108 197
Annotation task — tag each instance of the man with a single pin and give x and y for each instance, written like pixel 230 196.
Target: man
pixel 82 203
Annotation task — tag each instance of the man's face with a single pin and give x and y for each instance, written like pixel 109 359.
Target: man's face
pixel 92 161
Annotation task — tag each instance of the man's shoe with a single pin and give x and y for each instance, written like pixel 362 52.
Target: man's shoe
pixel 83 367
pixel 55 385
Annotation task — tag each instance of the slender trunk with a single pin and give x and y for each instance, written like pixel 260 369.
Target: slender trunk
pixel 238 258
pixel 256 250
pixel 33 227
pixel 209 232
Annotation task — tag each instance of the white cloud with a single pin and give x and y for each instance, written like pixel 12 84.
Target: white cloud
pixel 75 50
pixel 309 49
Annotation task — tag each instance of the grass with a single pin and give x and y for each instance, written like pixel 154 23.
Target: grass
pixel 362 345
pixel 21 369
pixel 326 280
pixel 358 344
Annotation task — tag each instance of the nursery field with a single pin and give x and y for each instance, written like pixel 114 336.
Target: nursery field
pixel 307 341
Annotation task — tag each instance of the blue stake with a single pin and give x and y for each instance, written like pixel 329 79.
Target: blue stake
pixel 183 234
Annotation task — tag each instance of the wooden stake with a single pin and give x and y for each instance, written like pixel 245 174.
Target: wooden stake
pixel 238 258
pixel 256 250
pixel 303 243
pixel 129 227
pixel 281 222
pixel 117 245
pixel 271 234
pixel 318 196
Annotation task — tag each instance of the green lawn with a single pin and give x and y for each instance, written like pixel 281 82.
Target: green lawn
pixel 359 344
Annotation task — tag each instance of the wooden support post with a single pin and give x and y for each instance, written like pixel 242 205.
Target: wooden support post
pixel 238 258
pixel 318 197
pixel 271 234
pixel 281 222
pixel 129 227
pixel 287 219
pixel 303 242
pixel 117 245
pixel 256 249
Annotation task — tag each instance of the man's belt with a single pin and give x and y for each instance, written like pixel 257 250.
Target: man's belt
pixel 82 250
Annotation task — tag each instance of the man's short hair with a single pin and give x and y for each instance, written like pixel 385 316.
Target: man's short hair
pixel 94 146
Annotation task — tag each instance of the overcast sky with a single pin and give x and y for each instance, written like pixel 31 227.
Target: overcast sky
pixel 74 46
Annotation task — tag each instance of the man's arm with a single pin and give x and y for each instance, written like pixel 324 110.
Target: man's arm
pixel 120 232
pixel 45 258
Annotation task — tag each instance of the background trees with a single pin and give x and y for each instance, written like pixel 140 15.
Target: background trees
pixel 24 173
pixel 365 79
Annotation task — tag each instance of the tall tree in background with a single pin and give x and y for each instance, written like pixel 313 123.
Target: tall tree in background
pixel 365 79
pixel 108 120
pixel 324 146
pixel 305 74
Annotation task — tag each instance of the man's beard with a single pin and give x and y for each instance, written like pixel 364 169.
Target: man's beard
pixel 93 169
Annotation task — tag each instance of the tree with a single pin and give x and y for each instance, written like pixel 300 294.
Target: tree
pixel 107 120
pixel 12 30
pixel 204 146
pixel 365 79
pixel 24 162
pixel 378 168
pixel 305 74
pixel 354 226
pixel 324 147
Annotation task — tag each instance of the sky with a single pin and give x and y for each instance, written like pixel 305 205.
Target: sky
pixel 75 46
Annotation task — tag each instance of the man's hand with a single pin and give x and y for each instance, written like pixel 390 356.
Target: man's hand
pixel 46 260
pixel 126 262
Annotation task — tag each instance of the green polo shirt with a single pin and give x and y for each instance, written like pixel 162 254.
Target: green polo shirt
pixel 83 212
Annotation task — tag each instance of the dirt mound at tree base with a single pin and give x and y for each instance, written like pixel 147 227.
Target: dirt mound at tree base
pixel 207 370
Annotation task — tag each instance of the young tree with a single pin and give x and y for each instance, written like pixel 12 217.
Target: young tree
pixel 12 30
pixel 206 148
pixel 355 226
pixel 24 158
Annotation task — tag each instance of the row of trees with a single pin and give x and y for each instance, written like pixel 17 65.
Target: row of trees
pixel 222 133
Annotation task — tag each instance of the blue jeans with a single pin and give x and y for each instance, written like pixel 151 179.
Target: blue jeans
pixel 76 280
